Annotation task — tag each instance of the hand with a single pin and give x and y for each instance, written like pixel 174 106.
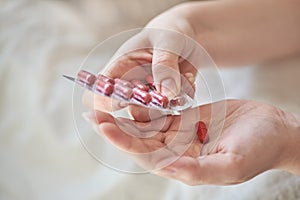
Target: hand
pixel 163 53
pixel 255 138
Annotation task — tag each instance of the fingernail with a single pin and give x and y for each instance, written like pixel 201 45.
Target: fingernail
pixel 90 117
pixel 169 88
pixel 191 79
pixel 189 75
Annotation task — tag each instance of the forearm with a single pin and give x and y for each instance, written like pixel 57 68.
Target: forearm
pixel 241 32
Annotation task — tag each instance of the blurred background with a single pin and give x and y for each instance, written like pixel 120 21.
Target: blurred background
pixel 41 156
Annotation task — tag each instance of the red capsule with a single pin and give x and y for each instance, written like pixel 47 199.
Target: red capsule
pixel 201 124
pixel 124 82
pixel 159 99
pixel 104 87
pixel 123 91
pixel 86 77
pixel 141 96
pixel 202 132
pixel 105 79
pixel 140 85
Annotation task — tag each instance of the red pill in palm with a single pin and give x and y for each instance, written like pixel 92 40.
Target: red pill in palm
pixel 140 85
pixel 159 99
pixel 141 96
pixel 201 124
pixel 105 79
pixel 123 91
pixel 104 87
pixel 124 83
pixel 86 77
pixel 202 132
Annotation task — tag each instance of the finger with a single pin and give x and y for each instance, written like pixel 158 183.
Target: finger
pixel 158 125
pixel 97 117
pixel 143 114
pixel 142 130
pixel 218 169
pixel 146 152
pixel 187 67
pixel 130 53
pixel 130 65
pixel 188 77
pixel 166 73
pixel 119 139
pixel 93 101
pixel 187 84
pixel 127 64
pixel 106 126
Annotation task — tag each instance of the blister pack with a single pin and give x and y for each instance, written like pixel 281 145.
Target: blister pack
pixel 137 92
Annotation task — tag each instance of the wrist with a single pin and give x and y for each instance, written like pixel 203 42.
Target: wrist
pixel 177 18
pixel 234 32
pixel 290 159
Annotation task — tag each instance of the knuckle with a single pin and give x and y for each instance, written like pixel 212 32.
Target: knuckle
pixel 165 59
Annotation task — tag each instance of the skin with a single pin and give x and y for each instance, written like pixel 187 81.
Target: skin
pixel 250 129
pixel 234 33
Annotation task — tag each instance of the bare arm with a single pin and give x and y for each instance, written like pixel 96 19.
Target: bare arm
pixel 242 32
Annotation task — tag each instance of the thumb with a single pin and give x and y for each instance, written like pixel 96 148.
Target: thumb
pixel 166 73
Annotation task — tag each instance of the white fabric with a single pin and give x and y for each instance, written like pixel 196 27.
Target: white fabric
pixel 41 156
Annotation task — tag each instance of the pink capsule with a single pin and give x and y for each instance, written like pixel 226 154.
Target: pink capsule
pixel 104 87
pixel 86 77
pixel 140 85
pixel 159 99
pixel 105 79
pixel 123 91
pixel 141 96
pixel 124 82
